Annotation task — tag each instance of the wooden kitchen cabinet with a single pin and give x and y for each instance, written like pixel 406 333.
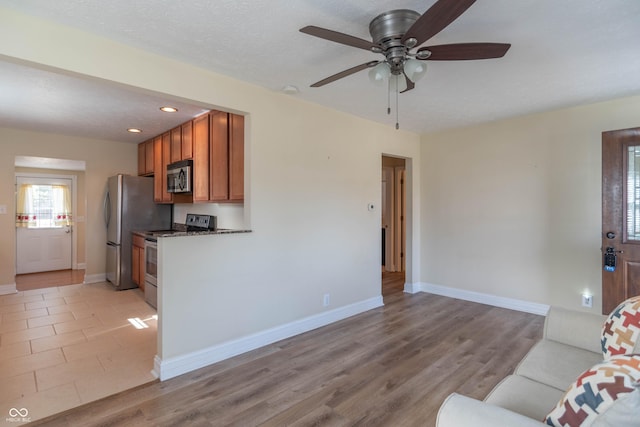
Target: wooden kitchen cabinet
pixel 218 156
pixel 149 159
pixel 159 182
pixel 166 159
pixel 145 158
pixel 200 177
pixel 138 261
pixel 176 145
pixel 187 140
pixel 236 158
pixel 215 143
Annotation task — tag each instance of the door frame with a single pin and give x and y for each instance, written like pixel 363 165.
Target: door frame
pixel 401 237
pixel 74 209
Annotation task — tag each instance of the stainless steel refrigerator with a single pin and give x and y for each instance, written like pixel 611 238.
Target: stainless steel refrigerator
pixel 129 206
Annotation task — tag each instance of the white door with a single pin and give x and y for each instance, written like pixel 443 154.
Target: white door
pixel 46 244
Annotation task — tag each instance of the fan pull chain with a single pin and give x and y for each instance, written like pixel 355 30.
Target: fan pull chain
pixel 389 98
pixel 397 90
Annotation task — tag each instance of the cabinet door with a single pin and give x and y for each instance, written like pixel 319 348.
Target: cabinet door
pixel 158 181
pixel 201 159
pixel 149 168
pixel 142 158
pixel 176 145
pixel 187 140
pixel 166 159
pixel 236 157
pixel 219 156
pixel 135 264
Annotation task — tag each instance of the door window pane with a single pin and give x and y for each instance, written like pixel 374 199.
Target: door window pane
pixel 43 206
pixel 633 193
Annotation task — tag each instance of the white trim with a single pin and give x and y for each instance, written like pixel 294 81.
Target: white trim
pixel 494 300
pixel 82 266
pixel 8 289
pixel 74 208
pixel 95 278
pixel 412 288
pixel 174 366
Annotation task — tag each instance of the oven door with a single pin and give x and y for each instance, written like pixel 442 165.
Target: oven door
pixel 151 272
pixel 151 262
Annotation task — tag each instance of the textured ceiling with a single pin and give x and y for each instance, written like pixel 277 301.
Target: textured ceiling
pixel 563 53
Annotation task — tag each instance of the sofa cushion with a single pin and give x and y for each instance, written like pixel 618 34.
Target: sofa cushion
pixel 524 396
pixel 556 364
pixel 608 394
pixel 575 328
pixel 621 330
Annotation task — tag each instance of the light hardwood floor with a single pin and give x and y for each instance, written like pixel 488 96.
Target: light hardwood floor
pixel 391 366
pixel 48 279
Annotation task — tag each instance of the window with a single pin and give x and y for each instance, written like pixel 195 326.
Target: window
pixel 633 193
pixel 43 206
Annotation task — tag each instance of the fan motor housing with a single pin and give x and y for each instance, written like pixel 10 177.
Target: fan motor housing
pixel 387 30
pixel 389 27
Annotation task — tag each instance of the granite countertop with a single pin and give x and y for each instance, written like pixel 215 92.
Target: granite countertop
pixel 178 233
pixel 182 231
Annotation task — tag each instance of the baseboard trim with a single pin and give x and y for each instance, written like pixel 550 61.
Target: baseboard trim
pixel 95 278
pixel 8 289
pixel 494 300
pixel 81 266
pixel 412 288
pixel 174 366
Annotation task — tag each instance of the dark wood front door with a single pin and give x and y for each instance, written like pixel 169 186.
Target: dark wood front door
pixel 620 216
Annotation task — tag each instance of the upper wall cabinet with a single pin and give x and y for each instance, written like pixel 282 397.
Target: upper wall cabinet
pixel 145 158
pixel 215 142
pixel 226 153
pixel 186 131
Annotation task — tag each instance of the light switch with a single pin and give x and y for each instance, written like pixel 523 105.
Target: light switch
pixel 3 209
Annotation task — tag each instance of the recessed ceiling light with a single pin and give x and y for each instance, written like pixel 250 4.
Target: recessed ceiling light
pixel 169 109
pixel 134 130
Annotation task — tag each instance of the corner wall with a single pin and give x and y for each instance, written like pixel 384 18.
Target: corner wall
pixel 513 208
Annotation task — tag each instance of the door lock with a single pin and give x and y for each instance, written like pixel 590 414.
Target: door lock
pixel 610 259
pixel 611 235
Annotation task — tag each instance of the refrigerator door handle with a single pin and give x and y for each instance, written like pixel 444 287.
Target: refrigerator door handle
pixel 107 209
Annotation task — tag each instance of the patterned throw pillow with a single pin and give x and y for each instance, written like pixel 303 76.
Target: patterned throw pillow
pixel 608 394
pixel 621 330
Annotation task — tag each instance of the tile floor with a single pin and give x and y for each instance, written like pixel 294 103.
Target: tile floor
pixel 64 346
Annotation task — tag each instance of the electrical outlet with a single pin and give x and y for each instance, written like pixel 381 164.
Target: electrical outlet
pixel 327 300
pixel 587 301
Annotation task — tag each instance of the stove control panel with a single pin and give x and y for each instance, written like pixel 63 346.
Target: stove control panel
pixel 201 222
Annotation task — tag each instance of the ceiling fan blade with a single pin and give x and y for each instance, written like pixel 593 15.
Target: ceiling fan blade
pixel 345 73
pixel 337 37
pixel 410 84
pixel 436 19
pixel 466 51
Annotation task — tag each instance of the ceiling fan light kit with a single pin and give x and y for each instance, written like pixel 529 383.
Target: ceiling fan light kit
pixel 395 33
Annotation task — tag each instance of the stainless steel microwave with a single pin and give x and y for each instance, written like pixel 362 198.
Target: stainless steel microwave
pixel 179 176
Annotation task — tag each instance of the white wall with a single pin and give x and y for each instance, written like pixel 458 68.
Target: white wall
pixel 513 208
pixel 310 173
pixel 103 159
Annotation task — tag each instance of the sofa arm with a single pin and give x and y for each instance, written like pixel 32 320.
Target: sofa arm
pixel 575 328
pixel 458 410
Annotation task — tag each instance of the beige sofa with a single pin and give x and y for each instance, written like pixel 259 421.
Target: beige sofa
pixel 570 345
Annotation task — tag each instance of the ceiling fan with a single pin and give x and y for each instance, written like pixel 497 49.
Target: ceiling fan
pixel 396 33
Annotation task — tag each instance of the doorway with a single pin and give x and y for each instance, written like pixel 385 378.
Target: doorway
pixel 393 226
pixel 50 222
